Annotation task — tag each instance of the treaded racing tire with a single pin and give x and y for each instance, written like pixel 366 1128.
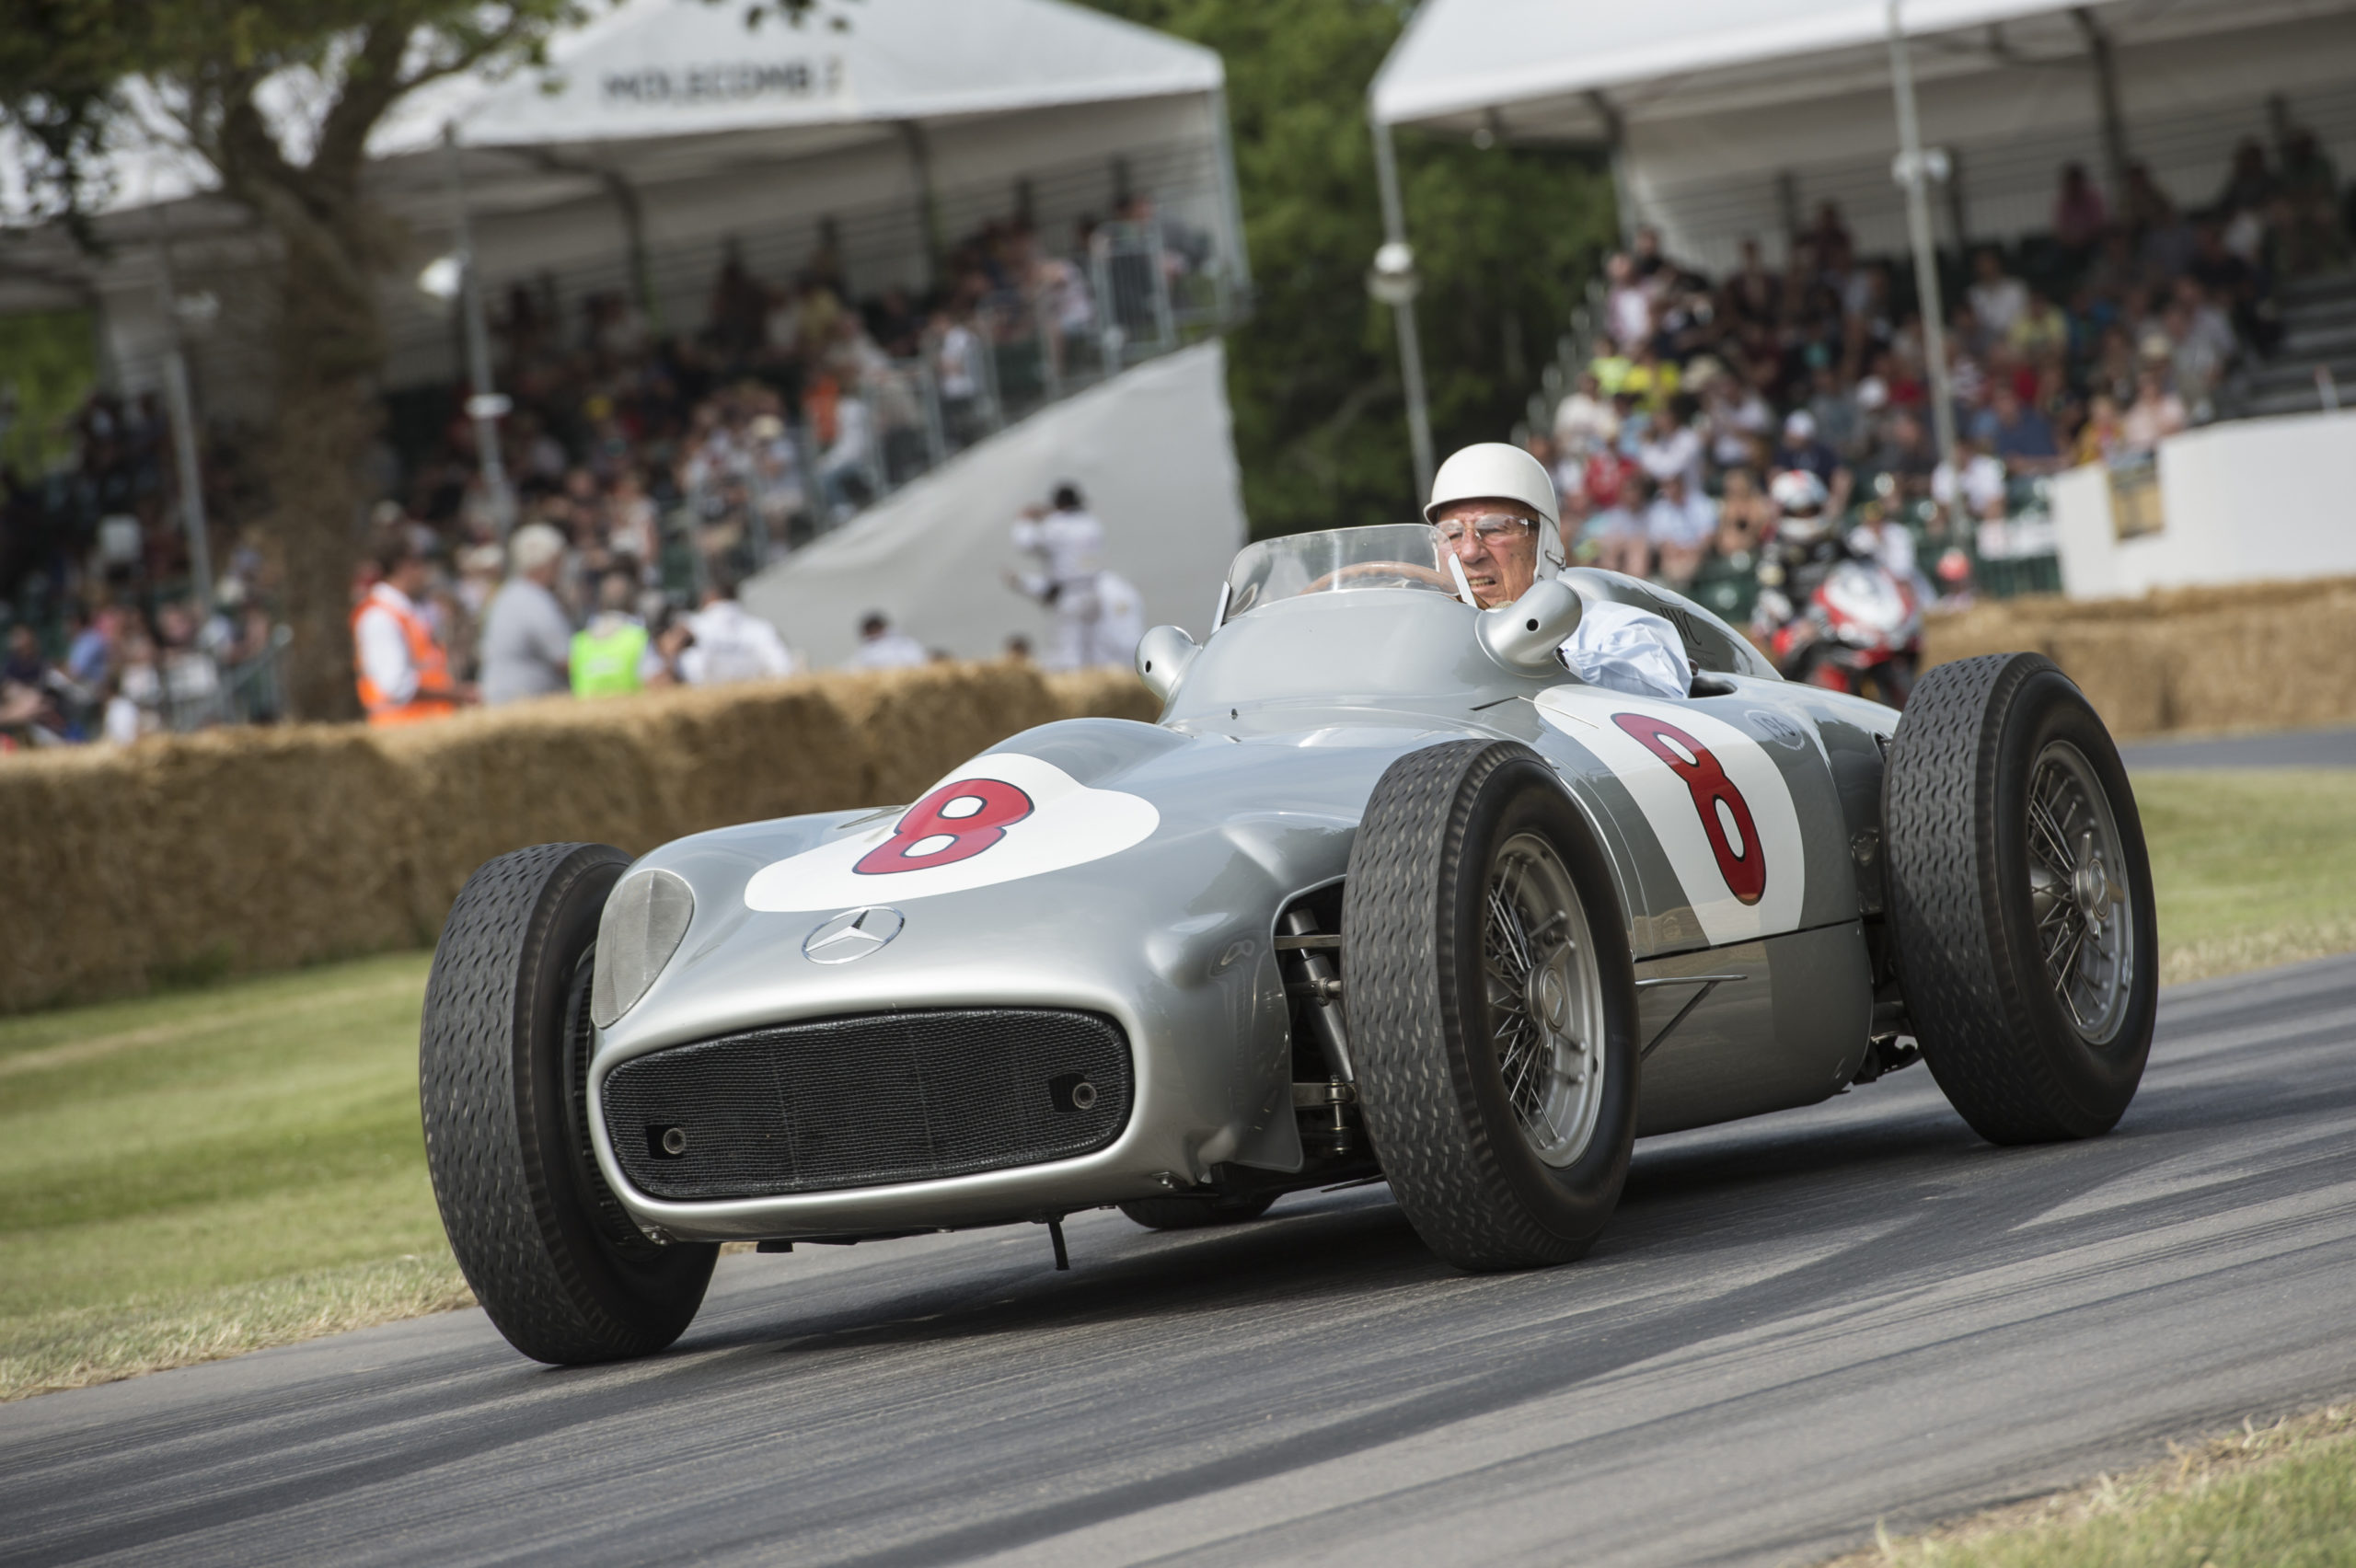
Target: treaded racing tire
pixel 1999 1028
pixel 501 1071
pixel 1195 1213
pixel 1416 993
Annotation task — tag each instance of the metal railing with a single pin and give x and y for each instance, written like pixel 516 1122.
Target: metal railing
pixel 1135 296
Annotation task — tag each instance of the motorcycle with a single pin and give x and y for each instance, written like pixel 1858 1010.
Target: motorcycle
pixel 1861 632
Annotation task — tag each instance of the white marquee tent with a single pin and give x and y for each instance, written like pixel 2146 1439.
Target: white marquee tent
pixel 1730 117
pixel 669 128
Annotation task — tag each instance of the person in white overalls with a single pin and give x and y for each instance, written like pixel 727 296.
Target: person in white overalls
pixel 1099 615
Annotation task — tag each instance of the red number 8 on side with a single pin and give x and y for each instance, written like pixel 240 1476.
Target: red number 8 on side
pixel 1718 800
pixel 954 823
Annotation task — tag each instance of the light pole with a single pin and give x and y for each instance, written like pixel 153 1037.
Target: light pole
pixel 182 404
pixel 486 406
pixel 1913 173
pixel 1392 281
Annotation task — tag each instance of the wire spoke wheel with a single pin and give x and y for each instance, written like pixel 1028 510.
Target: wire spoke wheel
pixel 2020 900
pixel 2078 893
pixel 1545 996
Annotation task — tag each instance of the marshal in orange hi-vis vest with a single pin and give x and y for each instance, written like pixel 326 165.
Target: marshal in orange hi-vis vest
pixel 435 696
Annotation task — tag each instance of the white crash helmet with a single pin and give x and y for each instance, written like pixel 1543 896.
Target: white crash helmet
pixel 1493 470
pixel 1801 497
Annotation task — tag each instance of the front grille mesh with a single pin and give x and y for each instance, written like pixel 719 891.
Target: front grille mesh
pixel 859 1102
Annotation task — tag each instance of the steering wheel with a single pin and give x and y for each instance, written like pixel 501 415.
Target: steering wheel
pixel 1402 572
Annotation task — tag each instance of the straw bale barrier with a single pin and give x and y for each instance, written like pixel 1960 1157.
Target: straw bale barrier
pixel 2250 656
pixel 254 850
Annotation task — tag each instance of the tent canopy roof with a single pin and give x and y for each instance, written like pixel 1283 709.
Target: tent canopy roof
pixel 656 90
pixel 1537 68
pixel 658 69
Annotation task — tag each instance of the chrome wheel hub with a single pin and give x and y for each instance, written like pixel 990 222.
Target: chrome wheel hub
pixel 2077 892
pixel 1545 998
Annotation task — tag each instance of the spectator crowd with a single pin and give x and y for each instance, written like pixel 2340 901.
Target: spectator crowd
pixel 647 473
pixel 2116 330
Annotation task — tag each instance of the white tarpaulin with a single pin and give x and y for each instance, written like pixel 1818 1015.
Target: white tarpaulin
pixel 1733 111
pixel 1151 451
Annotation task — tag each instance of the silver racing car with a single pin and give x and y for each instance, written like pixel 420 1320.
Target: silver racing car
pixel 1387 892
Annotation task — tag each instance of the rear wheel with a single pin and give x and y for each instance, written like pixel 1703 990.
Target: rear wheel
pixel 2020 899
pixel 1492 1006
pixel 1195 1213
pixel 503 1065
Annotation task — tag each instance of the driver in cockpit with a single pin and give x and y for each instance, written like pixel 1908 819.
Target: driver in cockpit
pixel 1495 506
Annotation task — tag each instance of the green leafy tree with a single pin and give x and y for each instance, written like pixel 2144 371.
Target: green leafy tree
pixel 1504 240
pixel 79 76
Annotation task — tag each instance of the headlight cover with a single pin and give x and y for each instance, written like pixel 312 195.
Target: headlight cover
pixel 646 919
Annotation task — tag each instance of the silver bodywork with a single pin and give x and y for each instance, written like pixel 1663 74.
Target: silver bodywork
pixel 1256 776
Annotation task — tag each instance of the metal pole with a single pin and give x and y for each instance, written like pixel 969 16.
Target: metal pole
pixel 1917 234
pixel 2114 124
pixel 1239 253
pixel 1411 354
pixel 1615 146
pixel 183 411
pixel 483 406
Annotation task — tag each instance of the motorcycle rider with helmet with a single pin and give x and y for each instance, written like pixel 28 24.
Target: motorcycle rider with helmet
pixel 1795 561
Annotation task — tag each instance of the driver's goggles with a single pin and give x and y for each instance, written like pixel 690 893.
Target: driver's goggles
pixel 1488 530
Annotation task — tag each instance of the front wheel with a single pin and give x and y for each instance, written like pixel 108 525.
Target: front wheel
pixel 2020 899
pixel 502 1063
pixel 1492 1006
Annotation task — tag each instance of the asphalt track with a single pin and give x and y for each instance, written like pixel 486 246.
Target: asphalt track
pixel 2280 748
pixel 1796 1326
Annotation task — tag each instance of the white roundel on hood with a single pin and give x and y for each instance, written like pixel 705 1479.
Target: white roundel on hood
pixel 998 818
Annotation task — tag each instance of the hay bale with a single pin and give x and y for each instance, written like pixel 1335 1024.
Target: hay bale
pixel 249 849
pixel 233 850
pixel 2123 670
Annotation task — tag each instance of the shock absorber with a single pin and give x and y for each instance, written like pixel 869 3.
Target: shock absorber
pixel 1315 978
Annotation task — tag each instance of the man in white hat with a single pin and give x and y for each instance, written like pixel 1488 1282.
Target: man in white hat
pixel 1494 505
pixel 527 636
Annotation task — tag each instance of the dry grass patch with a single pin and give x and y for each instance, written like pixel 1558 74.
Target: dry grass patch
pixel 75 1347
pixel 2280 1496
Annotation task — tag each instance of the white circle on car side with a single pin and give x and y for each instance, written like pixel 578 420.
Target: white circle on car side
pixel 1696 779
pixel 1000 818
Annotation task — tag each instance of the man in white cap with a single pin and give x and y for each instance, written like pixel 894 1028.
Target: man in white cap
pixel 1494 505
pixel 527 636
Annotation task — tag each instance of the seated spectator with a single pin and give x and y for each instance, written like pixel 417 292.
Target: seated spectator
pixel 1998 299
pixel 2102 437
pixel 1672 448
pixel 1627 304
pixel 1679 524
pixel 2250 184
pixel 2311 236
pixel 2042 332
pixel 1800 448
pixel 882 648
pixel 1616 531
pixel 1981 494
pixel 2017 433
pixel 2156 413
pixel 1584 419
pixel 2079 214
pixel 1746 515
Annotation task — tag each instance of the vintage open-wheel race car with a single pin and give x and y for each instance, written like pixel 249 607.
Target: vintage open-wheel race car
pixel 1386 892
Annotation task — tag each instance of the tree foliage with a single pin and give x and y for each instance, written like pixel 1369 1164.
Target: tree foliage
pixel 279 99
pixel 1504 240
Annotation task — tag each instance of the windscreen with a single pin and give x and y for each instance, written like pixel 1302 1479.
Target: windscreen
pixel 1395 555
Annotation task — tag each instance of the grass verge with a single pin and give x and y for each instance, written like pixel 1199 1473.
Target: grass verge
pixel 2282 1496
pixel 212 1172
pixel 204 1173
pixel 2251 869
